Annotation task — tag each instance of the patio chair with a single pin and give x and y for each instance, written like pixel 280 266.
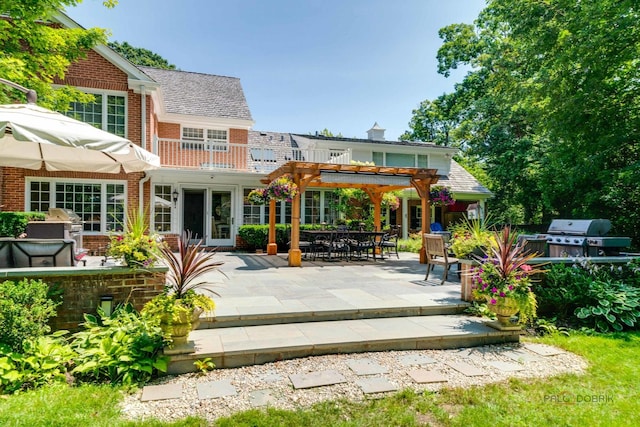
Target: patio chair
pixel 389 243
pixel 437 255
pixel 361 244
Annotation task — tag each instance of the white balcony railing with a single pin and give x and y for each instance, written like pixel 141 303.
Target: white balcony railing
pixel 181 154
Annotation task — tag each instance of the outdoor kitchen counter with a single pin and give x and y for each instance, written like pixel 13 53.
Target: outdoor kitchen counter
pixel 466 264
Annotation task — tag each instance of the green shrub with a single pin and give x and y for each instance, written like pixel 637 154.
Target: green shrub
pixel 25 309
pixel 612 305
pixel 122 348
pixel 256 236
pixel 45 360
pixel 13 224
pixel 600 296
pixel 412 244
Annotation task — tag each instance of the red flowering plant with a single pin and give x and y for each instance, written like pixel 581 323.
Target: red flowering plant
pixel 504 273
pixel 282 188
pixel 440 196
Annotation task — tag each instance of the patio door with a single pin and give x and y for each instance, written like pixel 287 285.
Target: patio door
pixel 221 212
pixel 193 212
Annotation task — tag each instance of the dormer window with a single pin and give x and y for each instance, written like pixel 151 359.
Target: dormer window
pixel 194 139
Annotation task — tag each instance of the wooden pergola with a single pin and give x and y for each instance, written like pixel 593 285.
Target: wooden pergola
pixel 374 180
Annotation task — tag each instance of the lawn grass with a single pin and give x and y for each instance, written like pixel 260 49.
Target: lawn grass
pixel 612 377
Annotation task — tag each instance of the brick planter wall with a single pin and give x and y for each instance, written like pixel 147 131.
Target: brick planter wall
pixel 82 288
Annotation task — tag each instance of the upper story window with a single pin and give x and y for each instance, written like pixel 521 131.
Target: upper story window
pixel 107 112
pixel 216 139
pixel 400 160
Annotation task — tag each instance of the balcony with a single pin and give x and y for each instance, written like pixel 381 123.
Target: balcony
pixel 182 154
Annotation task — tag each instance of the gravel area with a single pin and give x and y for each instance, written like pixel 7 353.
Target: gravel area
pixel 269 384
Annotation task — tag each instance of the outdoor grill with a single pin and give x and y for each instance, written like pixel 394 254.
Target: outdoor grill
pixel 583 237
pixel 59 224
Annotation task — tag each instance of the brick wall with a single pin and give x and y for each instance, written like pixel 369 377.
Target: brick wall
pixel 82 288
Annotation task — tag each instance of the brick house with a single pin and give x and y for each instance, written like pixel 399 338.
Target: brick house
pixel 201 127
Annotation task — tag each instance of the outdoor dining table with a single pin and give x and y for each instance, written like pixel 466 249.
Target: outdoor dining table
pixel 334 239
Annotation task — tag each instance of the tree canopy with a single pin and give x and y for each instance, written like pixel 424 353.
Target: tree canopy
pixel 33 54
pixel 141 56
pixel 550 108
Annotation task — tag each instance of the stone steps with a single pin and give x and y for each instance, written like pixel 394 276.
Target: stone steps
pixel 235 346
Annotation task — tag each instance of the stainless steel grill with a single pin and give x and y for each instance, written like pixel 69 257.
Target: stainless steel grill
pixel 583 237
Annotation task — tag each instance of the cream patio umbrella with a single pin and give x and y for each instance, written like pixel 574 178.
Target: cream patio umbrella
pixel 31 136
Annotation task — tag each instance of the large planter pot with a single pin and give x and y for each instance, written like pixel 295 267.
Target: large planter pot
pixel 504 309
pixel 179 328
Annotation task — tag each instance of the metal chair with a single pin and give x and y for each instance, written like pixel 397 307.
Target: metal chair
pixel 437 255
pixel 389 243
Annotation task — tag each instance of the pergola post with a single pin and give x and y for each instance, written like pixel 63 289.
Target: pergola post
pixel 272 247
pixel 295 255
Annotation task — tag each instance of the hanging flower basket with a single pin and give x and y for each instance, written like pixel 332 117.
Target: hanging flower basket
pixel 258 196
pixel 440 196
pixel 282 188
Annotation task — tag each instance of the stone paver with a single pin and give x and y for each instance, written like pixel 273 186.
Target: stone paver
pixel 417 359
pixel 376 385
pixel 425 376
pixel 543 350
pixel 258 398
pixel 521 356
pixel 213 389
pixel 366 367
pixel 505 366
pixel 467 369
pixel 316 379
pixel 161 392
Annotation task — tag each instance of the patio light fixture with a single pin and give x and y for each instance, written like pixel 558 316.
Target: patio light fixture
pixel 174 196
pixel 106 304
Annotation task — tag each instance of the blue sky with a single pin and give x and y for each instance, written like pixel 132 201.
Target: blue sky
pixel 304 65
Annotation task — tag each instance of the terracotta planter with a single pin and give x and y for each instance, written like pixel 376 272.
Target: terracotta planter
pixel 179 329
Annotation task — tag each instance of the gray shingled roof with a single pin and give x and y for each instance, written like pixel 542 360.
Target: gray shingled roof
pixel 197 94
pixel 461 181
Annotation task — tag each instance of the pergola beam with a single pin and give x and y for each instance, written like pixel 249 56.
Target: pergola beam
pixel 307 174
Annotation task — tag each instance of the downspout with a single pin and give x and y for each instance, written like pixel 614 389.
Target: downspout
pixel 143 118
pixel 141 183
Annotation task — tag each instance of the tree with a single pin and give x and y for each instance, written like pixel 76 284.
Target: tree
pixel 141 56
pixel 550 106
pixel 34 51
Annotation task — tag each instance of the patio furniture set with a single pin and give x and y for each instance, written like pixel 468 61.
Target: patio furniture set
pixel 342 244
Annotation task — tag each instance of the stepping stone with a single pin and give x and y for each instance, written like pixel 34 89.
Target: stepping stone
pixel 161 392
pixel 543 350
pixel 366 367
pixel 521 356
pixel 316 379
pixel 272 378
pixel 466 369
pixel 415 359
pixel 215 389
pixel 259 398
pixel 375 385
pixel 424 376
pixel 506 366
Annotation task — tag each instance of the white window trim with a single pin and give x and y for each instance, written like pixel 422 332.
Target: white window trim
pixel 103 184
pixel 105 93
pixel 205 140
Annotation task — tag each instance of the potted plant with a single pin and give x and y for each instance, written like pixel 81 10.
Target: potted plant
pixel 503 279
pixel 471 237
pixel 135 246
pixel 282 188
pixel 179 307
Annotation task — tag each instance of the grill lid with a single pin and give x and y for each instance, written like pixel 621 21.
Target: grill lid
pixel 580 227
